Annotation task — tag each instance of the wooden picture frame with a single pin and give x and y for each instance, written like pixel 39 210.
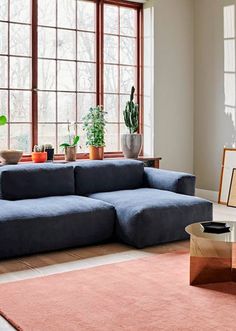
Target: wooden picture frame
pixel 228 164
pixel 232 190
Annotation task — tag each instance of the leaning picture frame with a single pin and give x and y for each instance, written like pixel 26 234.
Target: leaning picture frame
pixel 232 190
pixel 228 164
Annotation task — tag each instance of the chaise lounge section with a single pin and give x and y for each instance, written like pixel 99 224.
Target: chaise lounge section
pixel 152 206
pixel 56 206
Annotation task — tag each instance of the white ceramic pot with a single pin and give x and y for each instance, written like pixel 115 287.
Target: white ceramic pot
pixel 131 144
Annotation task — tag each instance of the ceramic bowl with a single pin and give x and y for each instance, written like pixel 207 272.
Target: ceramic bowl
pixel 10 156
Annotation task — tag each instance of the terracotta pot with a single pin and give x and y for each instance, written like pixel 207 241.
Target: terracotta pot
pixel 39 157
pixel 10 156
pixel 70 153
pixel 96 153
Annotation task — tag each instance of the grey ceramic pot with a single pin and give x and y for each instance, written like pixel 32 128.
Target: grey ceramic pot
pixel 131 144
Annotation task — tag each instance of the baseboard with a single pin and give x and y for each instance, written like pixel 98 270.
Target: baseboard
pixel 205 194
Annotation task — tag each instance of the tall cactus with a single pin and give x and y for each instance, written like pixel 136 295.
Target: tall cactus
pixel 131 113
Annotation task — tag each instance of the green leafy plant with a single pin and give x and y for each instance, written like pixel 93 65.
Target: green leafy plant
pixel 73 139
pixel 3 120
pixel 94 125
pixel 131 113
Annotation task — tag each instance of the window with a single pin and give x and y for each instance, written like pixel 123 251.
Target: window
pixel 15 74
pixel 229 61
pixel 60 57
pixel 120 67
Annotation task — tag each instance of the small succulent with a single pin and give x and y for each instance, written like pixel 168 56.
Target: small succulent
pixel 131 114
pixel 48 146
pixel 38 148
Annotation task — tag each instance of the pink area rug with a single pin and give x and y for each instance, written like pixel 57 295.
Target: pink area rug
pixel 149 294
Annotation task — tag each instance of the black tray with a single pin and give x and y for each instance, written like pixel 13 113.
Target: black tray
pixel 215 227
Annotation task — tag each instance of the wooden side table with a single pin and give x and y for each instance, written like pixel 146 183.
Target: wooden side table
pixel 153 162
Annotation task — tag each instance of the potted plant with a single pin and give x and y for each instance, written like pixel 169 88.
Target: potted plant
pixel 70 148
pixel 131 142
pixel 9 156
pixel 48 148
pixel 38 154
pixel 94 124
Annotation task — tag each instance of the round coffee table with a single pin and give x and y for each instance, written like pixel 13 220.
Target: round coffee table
pixel 212 256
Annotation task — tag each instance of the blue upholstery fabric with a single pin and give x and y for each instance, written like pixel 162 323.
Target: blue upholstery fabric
pixel 149 216
pixel 108 175
pixel 27 181
pixel 177 182
pixel 44 224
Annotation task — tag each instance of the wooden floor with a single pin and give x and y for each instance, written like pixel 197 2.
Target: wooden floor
pixel 87 257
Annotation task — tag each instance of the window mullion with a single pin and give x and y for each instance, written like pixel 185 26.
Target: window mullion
pixel 34 41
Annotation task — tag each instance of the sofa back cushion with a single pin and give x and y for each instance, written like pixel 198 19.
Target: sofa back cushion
pixel 27 181
pixel 108 175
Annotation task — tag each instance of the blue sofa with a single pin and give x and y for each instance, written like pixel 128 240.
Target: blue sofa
pixel 47 207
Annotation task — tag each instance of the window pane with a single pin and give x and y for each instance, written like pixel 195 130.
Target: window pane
pixel 231 113
pixel 63 136
pixel 66 107
pixel 20 106
pixel 127 78
pixel 20 72
pixel 3 37
pixel 229 24
pixel 4 10
pixel 86 46
pixel 111 51
pixel 128 21
pixel 86 77
pixel 47 134
pixel 66 13
pixel 111 78
pixel 47 74
pixel 123 101
pixel 47 107
pixel 20 11
pixel 4 137
pixel 47 12
pixel 112 138
pixel 230 89
pixel 47 42
pixel 66 76
pixel 3 71
pixel 20 137
pixel 128 51
pixel 111 19
pixel 86 15
pixel 111 107
pixel 229 55
pixel 82 148
pixel 19 39
pixel 66 44
pixel 85 101
pixel 3 102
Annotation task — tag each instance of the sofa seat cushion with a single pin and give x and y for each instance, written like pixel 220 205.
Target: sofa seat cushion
pixel 149 216
pixel 29 181
pixel 37 225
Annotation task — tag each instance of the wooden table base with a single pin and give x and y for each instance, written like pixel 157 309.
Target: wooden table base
pixel 211 261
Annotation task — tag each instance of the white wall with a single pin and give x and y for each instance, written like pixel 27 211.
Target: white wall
pixel 173 83
pixel 213 128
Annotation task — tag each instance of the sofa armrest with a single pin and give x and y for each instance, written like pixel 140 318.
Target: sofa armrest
pixel 177 182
